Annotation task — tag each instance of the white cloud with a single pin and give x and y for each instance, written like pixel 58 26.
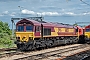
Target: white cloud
pixel 50 13
pixel 5 12
pixel 86 13
pixel 38 13
pixel 69 13
pixel 25 11
pixel 13 14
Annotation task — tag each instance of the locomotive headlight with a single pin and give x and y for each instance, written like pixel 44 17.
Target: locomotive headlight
pixel 18 38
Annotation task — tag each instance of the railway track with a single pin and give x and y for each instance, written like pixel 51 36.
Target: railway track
pixel 80 56
pixel 7 49
pixel 48 54
pixel 8 52
pixel 52 54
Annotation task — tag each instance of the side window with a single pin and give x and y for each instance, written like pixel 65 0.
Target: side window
pixel 37 28
pixel 87 30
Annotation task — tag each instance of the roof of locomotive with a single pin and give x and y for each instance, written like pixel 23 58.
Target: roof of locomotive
pixel 29 21
pixel 63 25
pixel 87 26
pixel 50 24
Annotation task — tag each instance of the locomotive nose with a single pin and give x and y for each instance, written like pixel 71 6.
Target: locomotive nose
pixel 25 36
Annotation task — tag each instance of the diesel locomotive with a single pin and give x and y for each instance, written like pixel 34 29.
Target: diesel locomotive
pixel 34 34
pixel 87 34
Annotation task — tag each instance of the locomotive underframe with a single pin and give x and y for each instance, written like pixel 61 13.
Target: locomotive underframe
pixel 87 40
pixel 45 43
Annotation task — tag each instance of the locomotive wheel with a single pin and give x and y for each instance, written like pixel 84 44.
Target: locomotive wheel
pixel 22 48
pixel 50 45
pixel 81 39
pixel 18 46
pixel 30 47
pixel 38 46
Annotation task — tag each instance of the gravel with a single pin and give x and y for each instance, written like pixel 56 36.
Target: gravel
pixel 81 56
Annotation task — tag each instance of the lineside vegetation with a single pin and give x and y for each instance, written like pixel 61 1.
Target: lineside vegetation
pixel 5 36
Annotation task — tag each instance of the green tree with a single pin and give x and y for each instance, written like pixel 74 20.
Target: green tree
pixel 5 34
pixel 4 28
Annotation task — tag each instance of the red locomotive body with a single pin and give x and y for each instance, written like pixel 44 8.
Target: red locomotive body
pixel 87 33
pixel 32 34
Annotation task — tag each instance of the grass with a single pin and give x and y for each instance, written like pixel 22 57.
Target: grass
pixel 3 46
pixel 6 46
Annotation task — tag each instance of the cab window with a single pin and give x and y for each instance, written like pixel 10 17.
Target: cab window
pixel 20 28
pixel 29 28
pixel 87 30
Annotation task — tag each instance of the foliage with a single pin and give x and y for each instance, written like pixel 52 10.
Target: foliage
pixel 4 28
pixel 5 34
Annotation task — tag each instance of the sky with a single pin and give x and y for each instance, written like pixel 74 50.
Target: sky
pixel 62 11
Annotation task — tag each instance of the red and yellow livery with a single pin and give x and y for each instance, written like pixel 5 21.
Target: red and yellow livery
pixel 32 34
pixel 87 33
